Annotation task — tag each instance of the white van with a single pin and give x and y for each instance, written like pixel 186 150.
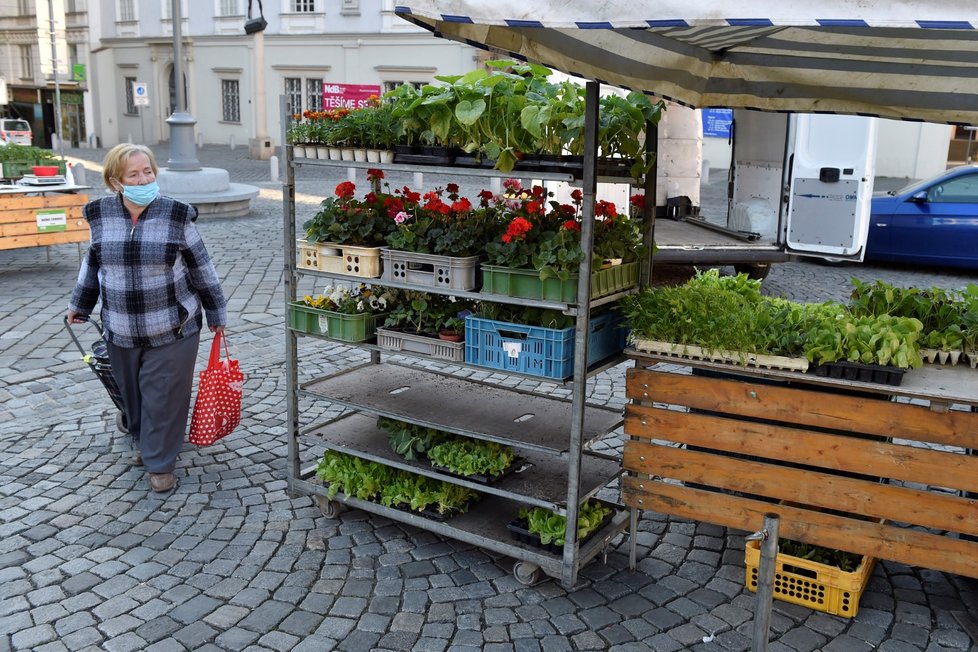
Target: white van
pixel 15 130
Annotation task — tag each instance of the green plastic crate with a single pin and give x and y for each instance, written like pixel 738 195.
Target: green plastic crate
pixel 526 283
pixel 337 325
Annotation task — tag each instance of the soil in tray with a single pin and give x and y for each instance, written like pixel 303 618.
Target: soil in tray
pixel 432 513
pixel 517 465
pixel 519 530
pixel 865 373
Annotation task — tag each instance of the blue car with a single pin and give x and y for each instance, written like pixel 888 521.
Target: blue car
pixel 931 222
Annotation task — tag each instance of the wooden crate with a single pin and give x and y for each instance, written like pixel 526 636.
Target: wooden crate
pixel 19 223
pixel 727 450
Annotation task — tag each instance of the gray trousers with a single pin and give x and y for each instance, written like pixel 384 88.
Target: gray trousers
pixel 156 383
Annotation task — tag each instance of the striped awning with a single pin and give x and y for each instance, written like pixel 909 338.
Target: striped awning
pixel 898 59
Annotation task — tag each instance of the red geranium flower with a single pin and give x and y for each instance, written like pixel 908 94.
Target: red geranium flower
pixel 452 188
pixel 606 209
pixel 571 225
pixel 577 195
pixel 463 205
pixel 411 196
pixel 346 190
pixel 374 174
pixel 517 230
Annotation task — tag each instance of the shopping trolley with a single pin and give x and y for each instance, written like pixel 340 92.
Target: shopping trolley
pixel 98 360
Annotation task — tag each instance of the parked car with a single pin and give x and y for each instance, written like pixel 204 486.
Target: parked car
pixel 930 222
pixel 15 130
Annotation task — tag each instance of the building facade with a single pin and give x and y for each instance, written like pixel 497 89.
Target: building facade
pixel 38 68
pixel 108 48
pixel 306 43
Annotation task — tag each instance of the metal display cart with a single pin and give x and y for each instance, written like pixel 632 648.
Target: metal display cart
pixel 556 446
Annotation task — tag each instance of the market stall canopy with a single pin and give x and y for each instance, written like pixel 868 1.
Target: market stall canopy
pixel 904 60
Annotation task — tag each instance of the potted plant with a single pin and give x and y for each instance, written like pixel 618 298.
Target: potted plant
pixel 349 314
pixel 545 529
pixel 414 323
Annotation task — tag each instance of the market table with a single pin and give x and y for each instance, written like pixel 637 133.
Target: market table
pixel 37 216
pixel 879 470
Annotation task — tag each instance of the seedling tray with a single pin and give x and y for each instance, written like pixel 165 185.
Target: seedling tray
pixel 517 463
pixel 519 531
pixel 864 373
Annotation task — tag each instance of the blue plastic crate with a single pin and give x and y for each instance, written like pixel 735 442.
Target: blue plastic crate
pixel 538 351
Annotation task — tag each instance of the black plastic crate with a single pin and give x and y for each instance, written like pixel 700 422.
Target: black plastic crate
pixel 864 373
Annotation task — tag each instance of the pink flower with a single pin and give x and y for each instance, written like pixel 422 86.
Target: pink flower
pixel 402 217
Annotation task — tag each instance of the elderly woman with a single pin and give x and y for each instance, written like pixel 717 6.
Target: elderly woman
pixel 148 264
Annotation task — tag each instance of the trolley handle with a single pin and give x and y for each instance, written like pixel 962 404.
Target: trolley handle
pixel 74 338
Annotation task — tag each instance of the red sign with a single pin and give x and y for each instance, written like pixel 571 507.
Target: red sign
pixel 349 96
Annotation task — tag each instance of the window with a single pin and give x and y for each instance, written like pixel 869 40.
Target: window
pixel 229 8
pixel 293 95
pixel 391 85
pixel 72 55
pixel 127 10
pixel 26 62
pixel 303 6
pixel 960 190
pixel 231 100
pixel 314 94
pixel 130 100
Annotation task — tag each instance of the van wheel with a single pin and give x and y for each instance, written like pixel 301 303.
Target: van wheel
pixel 757 271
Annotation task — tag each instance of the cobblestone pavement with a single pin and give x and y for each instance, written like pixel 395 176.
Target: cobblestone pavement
pixel 91 559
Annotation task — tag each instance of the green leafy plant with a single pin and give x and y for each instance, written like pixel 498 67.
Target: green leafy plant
pixel 844 561
pixel 552 528
pixel 465 456
pixel 526 315
pixel 391 487
pixel 423 313
pixel 410 440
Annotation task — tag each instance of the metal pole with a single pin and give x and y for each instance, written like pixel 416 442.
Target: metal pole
pixel 183 151
pixel 57 82
pixel 768 536
pixel 583 315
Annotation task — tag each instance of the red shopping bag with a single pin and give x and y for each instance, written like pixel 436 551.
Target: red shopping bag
pixel 217 410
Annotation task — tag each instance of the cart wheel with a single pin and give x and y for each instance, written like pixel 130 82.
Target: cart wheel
pixel 756 271
pixel 329 508
pixel 120 422
pixel 526 573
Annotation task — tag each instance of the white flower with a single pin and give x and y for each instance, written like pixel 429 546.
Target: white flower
pixel 359 306
pixel 452 299
pixel 382 302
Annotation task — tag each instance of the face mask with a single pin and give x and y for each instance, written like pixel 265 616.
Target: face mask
pixel 141 195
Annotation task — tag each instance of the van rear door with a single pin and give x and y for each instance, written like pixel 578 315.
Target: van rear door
pixel 831 162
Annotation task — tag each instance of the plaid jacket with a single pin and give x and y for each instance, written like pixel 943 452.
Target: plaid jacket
pixel 153 277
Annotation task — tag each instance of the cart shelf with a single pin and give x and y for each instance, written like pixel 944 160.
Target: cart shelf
pixel 484 525
pixel 541 479
pixel 462 406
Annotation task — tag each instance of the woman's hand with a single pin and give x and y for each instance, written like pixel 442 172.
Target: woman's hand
pixel 76 318
pixel 217 329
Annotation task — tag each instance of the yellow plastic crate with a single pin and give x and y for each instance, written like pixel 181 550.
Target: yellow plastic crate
pixel 817 586
pixel 339 259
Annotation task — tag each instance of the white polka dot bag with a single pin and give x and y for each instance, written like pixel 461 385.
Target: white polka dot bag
pixel 217 410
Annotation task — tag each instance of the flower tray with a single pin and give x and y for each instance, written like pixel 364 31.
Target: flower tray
pixel 339 259
pixel 430 346
pixel 423 155
pixel 519 531
pixel 443 272
pixel 538 351
pixel 933 356
pixel 430 513
pixel 864 373
pixel 526 283
pixel 516 465
pixel 694 352
pixel 811 584
pixel 337 325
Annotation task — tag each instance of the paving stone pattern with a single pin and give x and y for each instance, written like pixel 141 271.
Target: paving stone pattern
pixel 91 559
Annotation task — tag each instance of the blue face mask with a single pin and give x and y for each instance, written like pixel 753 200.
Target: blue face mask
pixel 141 195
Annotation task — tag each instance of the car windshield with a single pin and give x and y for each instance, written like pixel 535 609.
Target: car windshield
pixel 15 125
pixel 913 187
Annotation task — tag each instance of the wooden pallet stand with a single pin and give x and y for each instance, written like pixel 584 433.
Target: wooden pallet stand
pixel 50 219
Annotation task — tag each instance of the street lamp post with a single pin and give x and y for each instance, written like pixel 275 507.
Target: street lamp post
pixel 183 152
pixel 57 82
pixel 260 147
